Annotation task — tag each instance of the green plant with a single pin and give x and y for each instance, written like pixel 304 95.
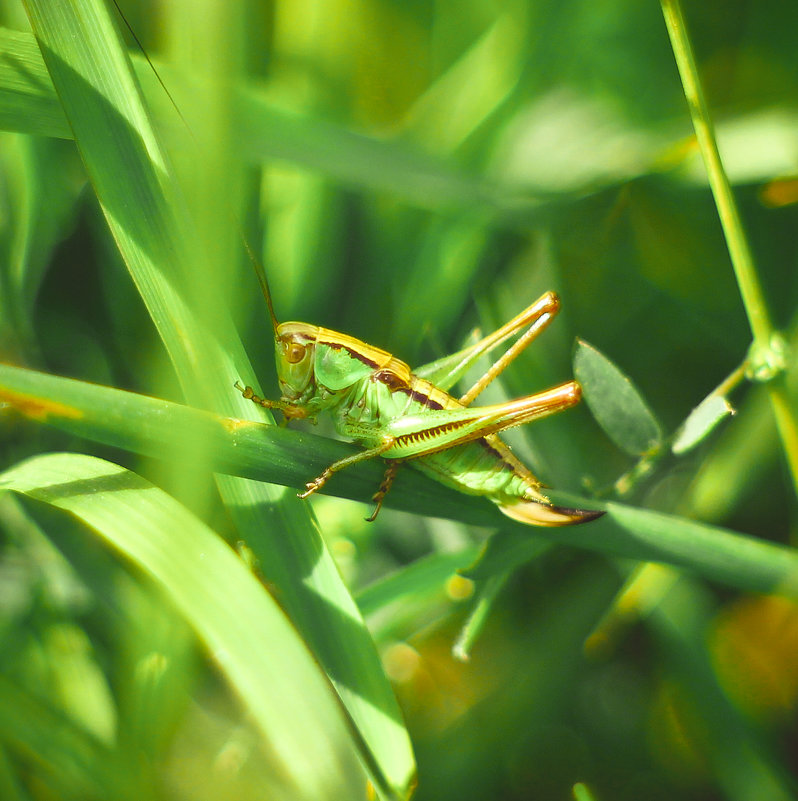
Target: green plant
pixel 494 185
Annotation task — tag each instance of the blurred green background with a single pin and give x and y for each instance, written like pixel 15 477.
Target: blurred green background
pixel 433 167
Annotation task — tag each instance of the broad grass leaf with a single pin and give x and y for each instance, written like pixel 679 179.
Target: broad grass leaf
pixel 183 286
pixel 243 628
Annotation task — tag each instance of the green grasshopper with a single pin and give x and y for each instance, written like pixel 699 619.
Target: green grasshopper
pixel 403 416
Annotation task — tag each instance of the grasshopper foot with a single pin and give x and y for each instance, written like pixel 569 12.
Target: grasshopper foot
pixel 385 485
pixel 314 485
pixel 249 394
pixel 373 516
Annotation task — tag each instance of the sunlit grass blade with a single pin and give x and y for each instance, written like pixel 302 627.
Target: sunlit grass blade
pixel 238 622
pixel 137 190
pixel 29 102
pixel 28 105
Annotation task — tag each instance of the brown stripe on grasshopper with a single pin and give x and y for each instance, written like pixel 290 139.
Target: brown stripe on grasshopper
pixel 397 383
pixel 427 400
pixel 502 458
pixel 392 380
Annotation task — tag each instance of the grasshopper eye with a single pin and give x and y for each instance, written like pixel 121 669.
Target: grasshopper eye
pixel 294 352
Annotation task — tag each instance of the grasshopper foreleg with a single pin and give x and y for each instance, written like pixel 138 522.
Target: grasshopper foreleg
pixel 250 395
pixel 289 411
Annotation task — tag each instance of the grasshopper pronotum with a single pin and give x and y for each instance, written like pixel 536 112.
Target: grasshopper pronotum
pixel 401 416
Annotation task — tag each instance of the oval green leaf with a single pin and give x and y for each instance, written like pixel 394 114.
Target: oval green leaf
pixel 615 402
pixel 700 423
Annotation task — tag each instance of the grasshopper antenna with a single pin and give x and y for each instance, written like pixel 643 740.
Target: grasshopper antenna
pixel 257 266
pixel 152 66
pixel 262 280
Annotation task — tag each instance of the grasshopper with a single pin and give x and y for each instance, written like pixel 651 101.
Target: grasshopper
pixel 403 416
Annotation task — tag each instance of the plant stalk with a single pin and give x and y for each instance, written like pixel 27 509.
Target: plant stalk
pixel 768 347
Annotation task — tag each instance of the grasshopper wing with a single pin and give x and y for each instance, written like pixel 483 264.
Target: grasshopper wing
pixel 543 513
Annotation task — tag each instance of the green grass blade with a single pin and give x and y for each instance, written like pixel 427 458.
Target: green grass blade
pixel 28 104
pixel 238 622
pixel 423 577
pixel 73 764
pixel 504 553
pixel 269 453
pixel 137 191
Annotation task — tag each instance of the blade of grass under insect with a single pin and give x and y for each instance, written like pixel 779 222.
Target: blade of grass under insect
pixel 421 577
pixel 504 553
pixel 769 350
pixel 478 616
pixel 274 454
pixel 135 186
pixel 417 595
pixel 236 619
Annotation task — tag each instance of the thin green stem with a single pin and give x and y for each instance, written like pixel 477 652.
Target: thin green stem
pixel 742 261
pixel 768 349
pixel 731 382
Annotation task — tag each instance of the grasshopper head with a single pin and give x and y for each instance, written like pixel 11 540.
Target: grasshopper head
pixel 295 345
